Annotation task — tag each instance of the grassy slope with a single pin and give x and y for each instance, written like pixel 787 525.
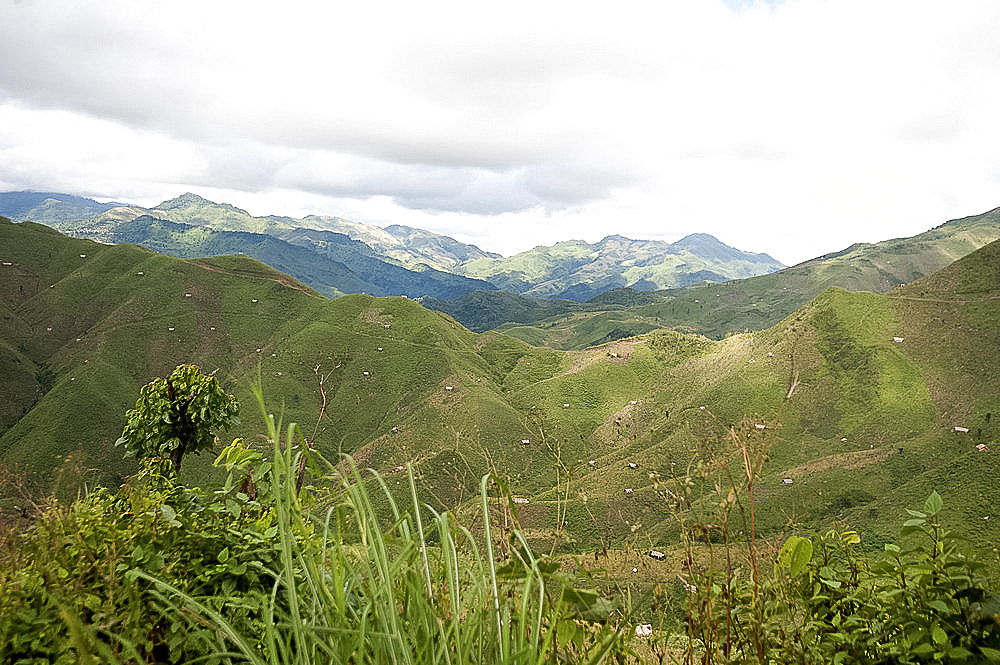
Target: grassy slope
pixel 111 332
pixel 868 430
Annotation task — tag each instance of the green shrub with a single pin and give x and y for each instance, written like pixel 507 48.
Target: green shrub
pixel 830 600
pixel 74 588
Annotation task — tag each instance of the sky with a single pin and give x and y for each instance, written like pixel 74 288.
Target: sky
pixel 791 127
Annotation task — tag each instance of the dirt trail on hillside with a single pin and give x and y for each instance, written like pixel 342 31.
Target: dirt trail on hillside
pixel 236 273
pixel 848 461
pixel 951 301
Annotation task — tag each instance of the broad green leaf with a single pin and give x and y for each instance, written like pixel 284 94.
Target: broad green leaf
pixel 784 559
pixel 992 654
pixel 933 504
pixel 801 556
pixel 169 513
pixel 939 636
pixel 938 605
pixel 850 538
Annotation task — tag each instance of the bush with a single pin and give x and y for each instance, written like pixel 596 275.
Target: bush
pixel 830 601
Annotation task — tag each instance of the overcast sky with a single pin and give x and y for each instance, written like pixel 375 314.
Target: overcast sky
pixel 792 127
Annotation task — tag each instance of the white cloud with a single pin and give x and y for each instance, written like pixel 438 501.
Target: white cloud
pixel 793 127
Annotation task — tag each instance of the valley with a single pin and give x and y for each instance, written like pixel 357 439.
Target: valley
pixel 869 425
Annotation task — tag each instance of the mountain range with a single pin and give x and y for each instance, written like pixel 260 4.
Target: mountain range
pixel 337 256
pixel 718 310
pixel 865 402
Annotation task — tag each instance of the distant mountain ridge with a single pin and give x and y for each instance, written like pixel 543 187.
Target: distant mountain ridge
pixel 83 217
pixel 49 208
pixel 570 270
pixel 330 262
pixel 718 310
pixel 578 271
pixel 190 226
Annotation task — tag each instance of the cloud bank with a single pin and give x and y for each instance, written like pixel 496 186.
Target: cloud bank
pixel 794 127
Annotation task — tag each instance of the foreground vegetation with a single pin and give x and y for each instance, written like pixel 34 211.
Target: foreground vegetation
pixel 293 561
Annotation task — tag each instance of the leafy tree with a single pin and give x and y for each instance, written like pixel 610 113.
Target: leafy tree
pixel 178 415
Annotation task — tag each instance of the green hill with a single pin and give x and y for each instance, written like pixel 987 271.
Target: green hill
pixel 88 324
pixel 878 385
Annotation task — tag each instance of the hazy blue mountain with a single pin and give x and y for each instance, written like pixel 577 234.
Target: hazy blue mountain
pixel 49 207
pixel 191 226
pixel 409 246
pixel 571 270
pixel 331 263
pixel 81 217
